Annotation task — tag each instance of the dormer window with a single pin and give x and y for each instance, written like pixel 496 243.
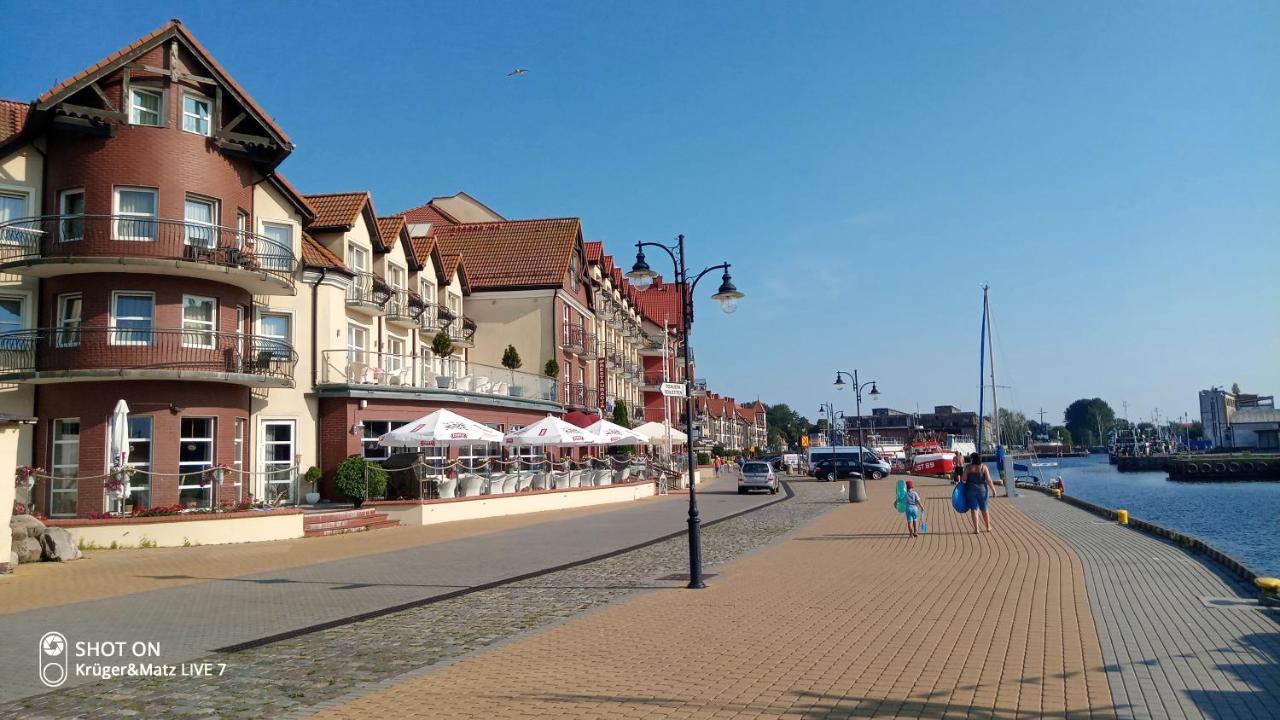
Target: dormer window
pixel 144 107
pixel 196 114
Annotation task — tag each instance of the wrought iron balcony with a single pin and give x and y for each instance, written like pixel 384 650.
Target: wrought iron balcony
pixel 579 395
pixel 368 292
pixel 575 339
pixel 405 307
pixel 75 353
pixel 54 245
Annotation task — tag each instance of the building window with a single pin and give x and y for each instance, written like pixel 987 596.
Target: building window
pixel 13 206
pixel 68 321
pixel 144 107
pixel 395 358
pixel 195 457
pixel 196 114
pixel 199 321
pixel 71 208
pixel 274 332
pixel 198 216
pixel 65 467
pixel 277 460
pixel 455 306
pixel 242 227
pixel 429 296
pixel 136 211
pixel 139 484
pixel 237 461
pixel 395 276
pixel 358 257
pixel 374 429
pixel 476 457
pixel 357 342
pixel 278 252
pixel 10 317
pixel 574 271
pixel 132 318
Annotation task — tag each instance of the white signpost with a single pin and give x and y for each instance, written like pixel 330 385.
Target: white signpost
pixel 670 389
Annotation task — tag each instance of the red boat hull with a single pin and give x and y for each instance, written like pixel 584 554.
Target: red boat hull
pixel 933 465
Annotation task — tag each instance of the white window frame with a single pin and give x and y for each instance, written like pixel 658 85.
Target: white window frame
pixel 208 103
pixel 118 333
pixel 374 429
pixel 190 482
pixel 121 217
pixel 355 250
pixel 204 338
pixel 192 228
pixel 278 472
pixel 396 276
pixel 67 330
pixel 395 361
pixel 274 260
pixel 135 110
pixel 358 354
pixel 139 482
pixel 64 472
pixel 69 219
pixel 238 447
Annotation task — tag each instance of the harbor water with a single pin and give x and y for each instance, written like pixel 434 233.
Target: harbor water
pixel 1241 519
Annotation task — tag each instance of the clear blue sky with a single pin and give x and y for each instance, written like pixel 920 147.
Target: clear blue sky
pixel 1108 168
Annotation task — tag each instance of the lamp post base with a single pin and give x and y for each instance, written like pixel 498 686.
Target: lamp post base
pixel 695 555
pixel 857 490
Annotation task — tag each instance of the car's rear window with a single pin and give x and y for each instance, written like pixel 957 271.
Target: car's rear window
pixel 755 468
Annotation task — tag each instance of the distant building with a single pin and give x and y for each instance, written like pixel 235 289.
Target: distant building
pixel 1218 411
pixel 896 425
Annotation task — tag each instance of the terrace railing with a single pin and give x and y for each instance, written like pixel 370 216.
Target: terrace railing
pixel 368 290
pixel 68 237
pixel 74 349
pixel 392 371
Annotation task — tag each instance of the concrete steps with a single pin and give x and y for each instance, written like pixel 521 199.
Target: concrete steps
pixel 345 521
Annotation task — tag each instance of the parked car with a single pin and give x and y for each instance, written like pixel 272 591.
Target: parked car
pixel 847 467
pixel 757 474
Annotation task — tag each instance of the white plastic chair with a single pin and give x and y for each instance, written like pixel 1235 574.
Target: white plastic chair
pixel 481 385
pixel 559 480
pixel 605 477
pixel 500 388
pixel 526 481
pixel 447 487
pixel 575 478
pixel 509 483
pixel 540 480
pixel 464 383
pixel 469 485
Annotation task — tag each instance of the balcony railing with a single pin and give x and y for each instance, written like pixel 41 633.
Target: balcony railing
pixel 405 306
pixel 580 395
pixel 368 291
pixel 392 371
pixel 653 378
pixel 575 339
pixel 73 352
pixel 71 238
pixel 699 386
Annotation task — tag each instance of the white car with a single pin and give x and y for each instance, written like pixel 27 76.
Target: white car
pixel 757 474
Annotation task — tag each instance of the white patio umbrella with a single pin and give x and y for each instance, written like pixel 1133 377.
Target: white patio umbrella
pixel 118 440
pixel 613 434
pixel 657 432
pixel 441 428
pixel 551 431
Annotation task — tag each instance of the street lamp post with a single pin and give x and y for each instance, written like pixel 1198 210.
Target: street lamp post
pixel 728 296
pixel 858 488
pixel 830 411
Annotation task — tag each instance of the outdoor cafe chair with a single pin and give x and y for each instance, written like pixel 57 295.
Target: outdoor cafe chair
pixel 447 487
pixel 469 484
pixel 559 480
pixel 538 480
pixel 511 483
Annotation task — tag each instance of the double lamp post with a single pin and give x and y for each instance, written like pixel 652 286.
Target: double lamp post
pixel 727 295
pixel 857 486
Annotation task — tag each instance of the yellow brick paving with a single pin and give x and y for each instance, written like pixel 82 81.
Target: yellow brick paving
pixel 846 618
pixel 111 573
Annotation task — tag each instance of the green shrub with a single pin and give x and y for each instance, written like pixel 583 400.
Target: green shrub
pixel 442 344
pixel 350 479
pixel 552 369
pixel 312 476
pixel 511 358
pixel 704 459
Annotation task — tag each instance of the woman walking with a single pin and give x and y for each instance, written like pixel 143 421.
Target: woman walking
pixel 978 488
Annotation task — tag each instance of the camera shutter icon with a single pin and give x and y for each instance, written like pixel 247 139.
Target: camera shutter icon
pixel 52 661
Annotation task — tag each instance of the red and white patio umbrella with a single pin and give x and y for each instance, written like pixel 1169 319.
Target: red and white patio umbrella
pixel 551 431
pixel 441 428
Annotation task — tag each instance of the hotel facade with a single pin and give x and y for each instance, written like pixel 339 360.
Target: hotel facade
pixel 150 252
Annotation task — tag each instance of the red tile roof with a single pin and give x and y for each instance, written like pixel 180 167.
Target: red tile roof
pixel 393 229
pixel 13 116
pixel 156 37
pixel 316 255
pixel 594 250
pixel 428 213
pixel 513 253
pixel 337 211
pixel 660 302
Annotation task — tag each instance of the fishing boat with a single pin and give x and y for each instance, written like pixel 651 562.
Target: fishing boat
pixel 938 457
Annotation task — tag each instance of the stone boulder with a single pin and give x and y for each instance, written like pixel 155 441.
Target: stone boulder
pixel 58 545
pixel 13 560
pixel 25 526
pixel 28 550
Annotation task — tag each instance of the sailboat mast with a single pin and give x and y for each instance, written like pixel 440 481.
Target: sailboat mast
pixel 982 369
pixel 995 406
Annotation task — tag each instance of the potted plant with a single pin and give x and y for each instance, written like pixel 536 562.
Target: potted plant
pixel 552 370
pixel 312 476
pixel 359 479
pixel 511 361
pixel 442 346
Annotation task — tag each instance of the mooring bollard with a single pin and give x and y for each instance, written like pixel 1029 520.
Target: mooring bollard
pixel 1270 588
pixel 1057 492
pixel 1122 517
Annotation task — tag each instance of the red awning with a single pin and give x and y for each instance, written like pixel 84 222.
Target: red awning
pixel 581 419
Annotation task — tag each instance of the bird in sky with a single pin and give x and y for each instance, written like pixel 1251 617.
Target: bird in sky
pixel 517 71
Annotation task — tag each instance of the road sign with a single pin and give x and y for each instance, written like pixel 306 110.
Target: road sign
pixel 804 441
pixel 673 389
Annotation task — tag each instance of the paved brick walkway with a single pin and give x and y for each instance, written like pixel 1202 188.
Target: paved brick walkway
pixel 1168 654
pixel 847 618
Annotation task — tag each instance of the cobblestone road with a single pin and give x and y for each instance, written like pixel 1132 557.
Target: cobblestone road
pixel 300 673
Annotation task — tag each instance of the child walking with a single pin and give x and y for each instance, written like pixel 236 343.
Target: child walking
pixel 915 508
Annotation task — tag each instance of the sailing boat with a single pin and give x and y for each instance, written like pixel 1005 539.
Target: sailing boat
pixel 986 352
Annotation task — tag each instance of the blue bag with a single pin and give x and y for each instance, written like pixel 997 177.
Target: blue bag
pixel 958 500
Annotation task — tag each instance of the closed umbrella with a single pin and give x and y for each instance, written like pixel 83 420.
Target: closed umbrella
pixel 118 441
pixel 655 431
